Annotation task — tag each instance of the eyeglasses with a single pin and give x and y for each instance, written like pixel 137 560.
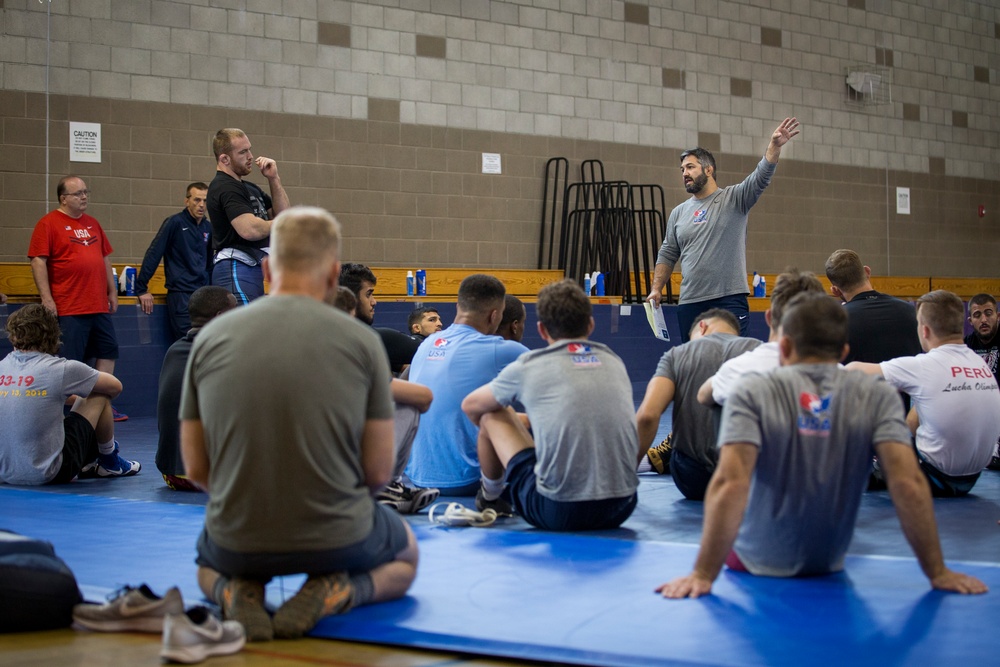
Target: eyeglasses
pixel 79 193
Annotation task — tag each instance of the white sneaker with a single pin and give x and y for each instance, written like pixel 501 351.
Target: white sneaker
pixel 456 514
pixel 197 634
pixel 130 610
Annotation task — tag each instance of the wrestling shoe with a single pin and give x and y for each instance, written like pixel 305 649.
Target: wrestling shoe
pixel 659 456
pixel 499 505
pixel 456 514
pixel 110 465
pixel 406 499
pixel 196 634
pixel 243 601
pixel 318 597
pixel 118 416
pixel 994 463
pixel 130 610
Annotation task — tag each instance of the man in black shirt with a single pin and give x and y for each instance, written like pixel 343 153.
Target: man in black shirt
pixel 359 279
pixel 880 327
pixel 985 342
pixel 241 214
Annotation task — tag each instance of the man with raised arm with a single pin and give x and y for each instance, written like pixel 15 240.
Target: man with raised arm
pixel 707 234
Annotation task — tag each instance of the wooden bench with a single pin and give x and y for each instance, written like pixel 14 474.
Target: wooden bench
pixel 442 284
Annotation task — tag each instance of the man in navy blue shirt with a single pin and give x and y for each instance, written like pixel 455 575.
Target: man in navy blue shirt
pixel 184 244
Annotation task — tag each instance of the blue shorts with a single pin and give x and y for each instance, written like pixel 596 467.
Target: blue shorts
pixel 548 514
pixel 386 540
pixel 244 281
pixel 87 337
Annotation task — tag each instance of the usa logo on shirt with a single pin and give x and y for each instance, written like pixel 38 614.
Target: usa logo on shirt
pixel 437 349
pixel 815 421
pixel 700 216
pixel 580 354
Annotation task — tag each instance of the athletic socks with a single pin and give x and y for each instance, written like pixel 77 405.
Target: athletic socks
pixel 105 448
pixel 492 488
pixel 364 589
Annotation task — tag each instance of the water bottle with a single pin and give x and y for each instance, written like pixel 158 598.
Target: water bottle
pixel 129 273
pixel 763 286
pixel 586 283
pixel 600 284
pixel 758 285
pixel 114 276
pixel 409 283
pixel 421 282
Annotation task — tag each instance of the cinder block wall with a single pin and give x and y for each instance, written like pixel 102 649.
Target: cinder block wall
pixel 380 111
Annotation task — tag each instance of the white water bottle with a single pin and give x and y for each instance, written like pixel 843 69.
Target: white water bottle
pixel 586 283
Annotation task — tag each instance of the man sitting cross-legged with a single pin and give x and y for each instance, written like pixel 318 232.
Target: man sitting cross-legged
pixel 576 470
pixel 795 449
pixel 956 403
pixel 690 454
pixel 453 363
pixel 204 304
pixel 292 447
pixel 38 445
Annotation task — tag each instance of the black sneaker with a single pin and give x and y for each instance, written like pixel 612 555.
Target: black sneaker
pixel 659 456
pixel 500 506
pixel 406 499
pixel 994 463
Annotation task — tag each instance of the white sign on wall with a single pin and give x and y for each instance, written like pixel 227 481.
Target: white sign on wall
pixel 491 163
pixel 84 142
pixel 903 201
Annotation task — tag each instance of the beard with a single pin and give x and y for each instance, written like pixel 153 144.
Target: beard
pixel 367 318
pixel 696 185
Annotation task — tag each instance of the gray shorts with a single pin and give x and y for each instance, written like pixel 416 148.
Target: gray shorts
pixel 387 538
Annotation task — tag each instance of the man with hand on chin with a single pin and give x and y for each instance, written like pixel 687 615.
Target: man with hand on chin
pixel 241 214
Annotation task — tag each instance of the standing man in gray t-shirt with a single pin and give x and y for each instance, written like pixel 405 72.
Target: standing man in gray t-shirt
pixel 795 449
pixel 576 469
pixel 708 235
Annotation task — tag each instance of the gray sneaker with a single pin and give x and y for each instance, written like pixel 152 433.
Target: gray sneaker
pixel 130 610
pixel 197 634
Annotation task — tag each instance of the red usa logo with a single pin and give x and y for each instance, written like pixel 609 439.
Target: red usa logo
pixel 440 342
pixel 577 348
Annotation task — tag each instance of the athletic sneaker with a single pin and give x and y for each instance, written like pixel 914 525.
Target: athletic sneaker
pixel 320 596
pixel 243 601
pixel 118 416
pixel 499 505
pixel 130 610
pixel 196 634
pixel 994 463
pixel 659 456
pixel 110 465
pixel 406 499
pixel 456 514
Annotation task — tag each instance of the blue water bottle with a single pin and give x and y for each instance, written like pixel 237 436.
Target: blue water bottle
pixel 586 283
pixel 421 282
pixel 129 272
pixel 409 283
pixel 600 284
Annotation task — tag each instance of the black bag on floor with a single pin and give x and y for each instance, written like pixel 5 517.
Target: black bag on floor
pixel 37 589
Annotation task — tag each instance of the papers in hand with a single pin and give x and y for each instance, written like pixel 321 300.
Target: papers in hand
pixel 656 321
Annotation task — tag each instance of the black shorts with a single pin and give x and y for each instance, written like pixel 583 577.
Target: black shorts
pixel 88 337
pixel 79 447
pixel 386 540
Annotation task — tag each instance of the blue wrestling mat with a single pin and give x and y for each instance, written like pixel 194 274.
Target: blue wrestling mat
pixel 577 599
